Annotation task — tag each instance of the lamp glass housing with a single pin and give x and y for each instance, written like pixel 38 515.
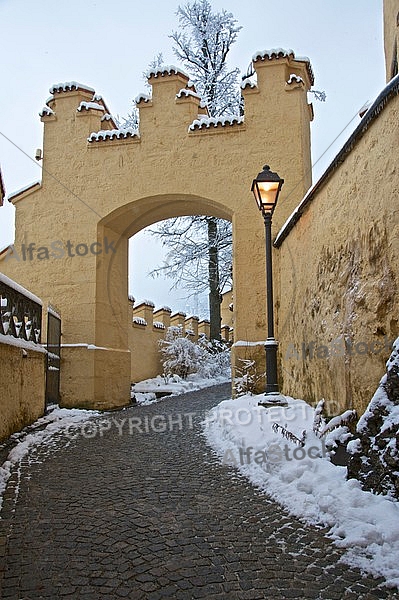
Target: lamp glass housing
pixel 266 188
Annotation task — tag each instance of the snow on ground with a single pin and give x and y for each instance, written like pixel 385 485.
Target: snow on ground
pixel 43 433
pixel 303 480
pixel 145 392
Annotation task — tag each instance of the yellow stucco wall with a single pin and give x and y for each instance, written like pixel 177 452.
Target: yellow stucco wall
pixel 103 192
pixel 339 274
pixel 391 37
pixel 22 374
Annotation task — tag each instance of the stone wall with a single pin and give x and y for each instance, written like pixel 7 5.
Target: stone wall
pixel 339 269
pixel 22 375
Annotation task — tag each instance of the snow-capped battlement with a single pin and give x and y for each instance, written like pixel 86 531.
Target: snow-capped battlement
pixel 69 86
pixel 46 112
pixel 208 122
pixel 184 93
pixel 165 70
pixel 273 53
pixel 139 321
pixel 90 105
pixel 142 98
pixel 107 117
pixel 112 134
pixel 278 53
pixel 248 82
pixel 294 79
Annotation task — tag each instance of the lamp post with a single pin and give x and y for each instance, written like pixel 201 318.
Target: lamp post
pixel 266 188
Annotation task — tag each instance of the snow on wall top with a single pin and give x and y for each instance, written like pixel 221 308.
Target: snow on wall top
pixel 107 117
pixel 248 82
pixel 46 112
pixel 294 79
pixel 112 134
pixel 274 53
pixel 185 93
pixel 139 321
pixel 159 325
pixel 23 189
pixel 18 288
pixel 89 105
pixel 165 70
pixel 69 86
pixel 146 303
pixel 207 122
pixel 142 98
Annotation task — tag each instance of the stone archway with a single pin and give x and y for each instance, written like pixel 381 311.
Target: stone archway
pixel 101 185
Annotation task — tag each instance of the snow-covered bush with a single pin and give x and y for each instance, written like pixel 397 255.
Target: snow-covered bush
pixel 374 455
pixel 181 356
pixel 247 378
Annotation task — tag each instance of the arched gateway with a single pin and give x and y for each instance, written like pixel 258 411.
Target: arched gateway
pixel 100 188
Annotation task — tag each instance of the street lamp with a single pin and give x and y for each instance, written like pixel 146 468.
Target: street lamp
pixel 266 188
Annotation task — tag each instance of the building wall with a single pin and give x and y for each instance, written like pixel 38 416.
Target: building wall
pixel 391 37
pixel 113 188
pixel 22 375
pixel 339 272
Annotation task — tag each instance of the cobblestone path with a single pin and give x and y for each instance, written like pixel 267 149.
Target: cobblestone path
pixel 155 515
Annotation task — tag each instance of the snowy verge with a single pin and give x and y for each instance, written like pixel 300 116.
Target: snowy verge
pixel 145 391
pixel 305 482
pixel 58 421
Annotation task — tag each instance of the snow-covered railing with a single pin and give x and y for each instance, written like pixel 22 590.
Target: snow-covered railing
pixel 20 312
pixel 208 122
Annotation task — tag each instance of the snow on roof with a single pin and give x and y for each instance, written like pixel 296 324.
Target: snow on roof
pixel 96 98
pixel 146 303
pixel 207 122
pixel 186 93
pixel 18 288
pixel 165 70
pixel 142 98
pixel 139 321
pixel 164 308
pixel 281 53
pixel 112 134
pixel 107 117
pixel 248 82
pixel 22 190
pixel 294 79
pixel 273 53
pixel 90 105
pixel 46 111
pixel 69 86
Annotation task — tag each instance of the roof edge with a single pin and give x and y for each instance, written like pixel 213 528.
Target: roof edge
pixel 390 90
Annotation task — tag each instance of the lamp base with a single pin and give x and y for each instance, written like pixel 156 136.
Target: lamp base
pixel 273 399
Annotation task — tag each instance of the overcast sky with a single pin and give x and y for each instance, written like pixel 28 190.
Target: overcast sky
pixel 108 45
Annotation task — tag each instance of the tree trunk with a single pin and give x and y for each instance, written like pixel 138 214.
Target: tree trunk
pixel 214 283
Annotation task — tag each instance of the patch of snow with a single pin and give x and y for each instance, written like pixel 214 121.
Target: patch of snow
pixel 46 112
pixel 142 98
pixel 20 343
pixel 23 189
pixel 111 134
pixel 165 70
pixel 69 86
pixel 96 98
pixel 245 343
pixel 18 288
pixel 159 325
pixel 248 82
pixel 305 482
pixel 175 385
pixel 294 79
pixel 208 122
pixel 273 53
pixel 90 105
pixel 107 117
pixel 53 312
pixel 139 321
pixel 186 93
